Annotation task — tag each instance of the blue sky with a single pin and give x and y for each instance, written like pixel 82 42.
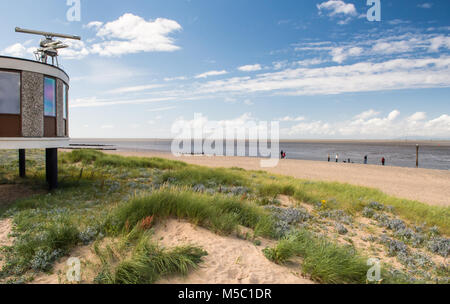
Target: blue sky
pixel 318 66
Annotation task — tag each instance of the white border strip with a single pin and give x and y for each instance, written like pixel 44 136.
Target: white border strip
pixel 32 143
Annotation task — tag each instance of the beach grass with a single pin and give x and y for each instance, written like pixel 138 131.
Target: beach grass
pixel 104 195
pixel 219 213
pixel 98 159
pixel 354 199
pixel 326 261
pixel 323 260
pixel 147 262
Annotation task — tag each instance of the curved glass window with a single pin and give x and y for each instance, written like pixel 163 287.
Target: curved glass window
pixel 49 97
pixel 9 93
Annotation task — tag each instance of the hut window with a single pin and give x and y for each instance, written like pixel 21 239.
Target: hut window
pixel 9 93
pixel 49 97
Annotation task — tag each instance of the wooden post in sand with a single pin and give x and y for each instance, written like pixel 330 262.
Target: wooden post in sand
pixel 417 156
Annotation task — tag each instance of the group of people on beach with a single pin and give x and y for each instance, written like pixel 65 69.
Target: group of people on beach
pixel 366 160
pixel 283 155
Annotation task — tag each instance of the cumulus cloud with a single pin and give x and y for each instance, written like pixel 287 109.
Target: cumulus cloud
pixel 211 73
pixel 17 50
pixel 418 116
pixel 250 68
pixel 133 34
pixel 367 114
pixel 337 7
pixel 374 126
pixel 93 24
pixel 129 34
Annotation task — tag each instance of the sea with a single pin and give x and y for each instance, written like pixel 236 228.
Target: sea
pixel 432 154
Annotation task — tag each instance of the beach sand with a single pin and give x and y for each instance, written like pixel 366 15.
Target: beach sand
pixel 425 185
pixel 229 260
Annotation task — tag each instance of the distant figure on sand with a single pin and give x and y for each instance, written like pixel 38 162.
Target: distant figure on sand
pixel 329 157
pixel 366 158
pixel 283 155
pixel 383 161
pixel 337 158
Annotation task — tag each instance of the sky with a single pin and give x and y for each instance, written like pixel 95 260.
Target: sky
pixel 319 67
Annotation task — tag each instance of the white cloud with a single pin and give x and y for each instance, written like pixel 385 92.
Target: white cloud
pixel 337 7
pixel 135 89
pixel 250 68
pixel 374 126
pixel 99 102
pixel 309 62
pixel 17 50
pixel 367 114
pixel 211 73
pixel 340 54
pixel 93 24
pixel 418 116
pixel 133 34
pixel 129 34
pixel 359 77
pixel 278 65
pixel 438 42
pixel 289 118
pixel 76 50
pixel 393 115
pixel 405 44
pixel 175 78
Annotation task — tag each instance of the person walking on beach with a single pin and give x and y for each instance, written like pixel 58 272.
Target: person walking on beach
pixel 337 158
pixel 282 153
pixel 383 161
pixel 366 159
pixel 329 157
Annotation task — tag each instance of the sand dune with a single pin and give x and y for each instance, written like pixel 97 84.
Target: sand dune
pixel 229 260
pixel 425 185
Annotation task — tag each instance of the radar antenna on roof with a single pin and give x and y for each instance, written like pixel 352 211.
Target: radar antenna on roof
pixel 48 47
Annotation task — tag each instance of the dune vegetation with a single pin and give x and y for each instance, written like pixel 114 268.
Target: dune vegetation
pixel 112 203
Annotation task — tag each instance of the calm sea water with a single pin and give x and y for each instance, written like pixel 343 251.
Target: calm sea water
pixel 401 154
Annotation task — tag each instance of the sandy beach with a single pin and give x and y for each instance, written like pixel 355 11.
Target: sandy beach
pixel 425 185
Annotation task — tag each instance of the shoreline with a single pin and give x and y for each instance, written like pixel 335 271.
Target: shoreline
pixel 424 185
pixel 431 142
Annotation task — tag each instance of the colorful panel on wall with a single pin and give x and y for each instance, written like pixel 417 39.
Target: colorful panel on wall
pixel 49 97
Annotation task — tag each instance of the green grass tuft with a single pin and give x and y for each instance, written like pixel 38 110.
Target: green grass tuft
pixel 148 262
pixel 100 159
pixel 221 214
